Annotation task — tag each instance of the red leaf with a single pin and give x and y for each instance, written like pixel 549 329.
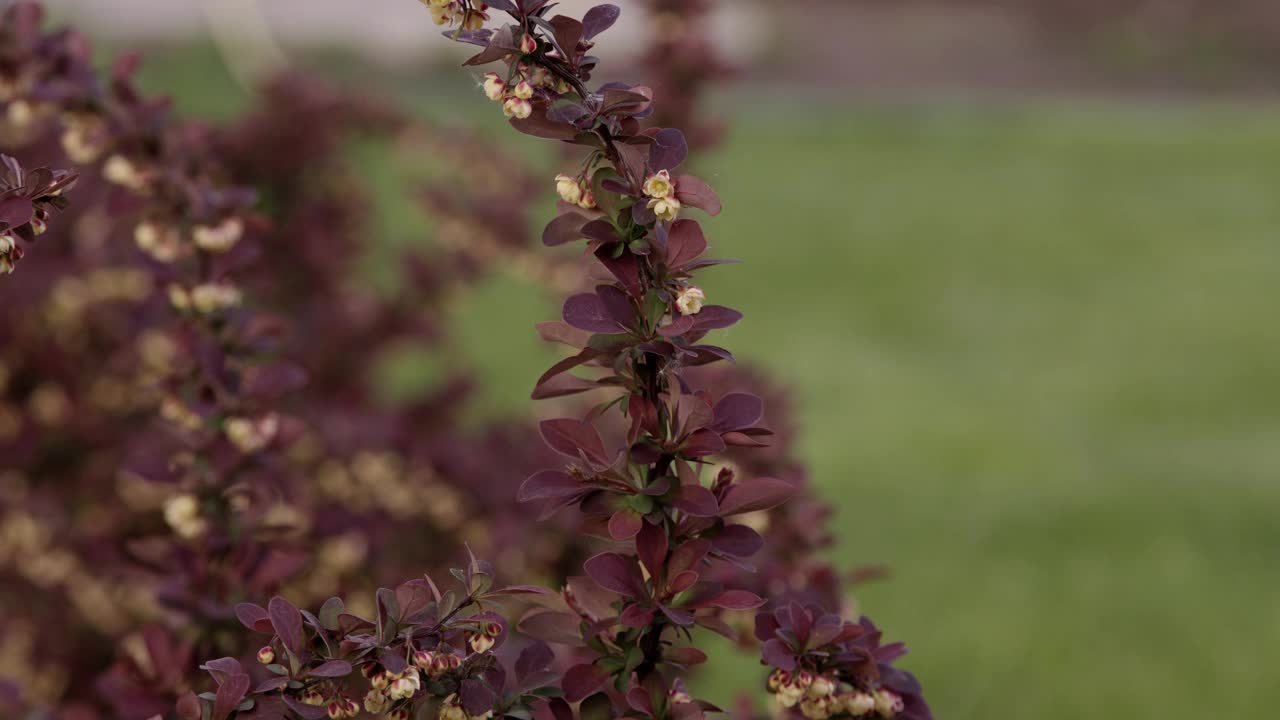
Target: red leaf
pixel 758 494
pixel 685 243
pixel 616 573
pixel 693 192
pixel 625 524
pixel 230 693
pixel 549 484
pixel 563 229
pixel 697 501
pixel 583 680
pixel 569 437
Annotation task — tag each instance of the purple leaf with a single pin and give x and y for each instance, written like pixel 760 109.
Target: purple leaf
pixel 551 626
pixel 533 658
pixel 287 621
pixel 582 680
pixel 624 524
pixel 616 573
pixel 255 618
pixel 687 656
pixel 569 436
pixel 685 242
pixel 616 304
pixel 563 229
pixel 539 125
pixel 668 150
pixel 601 230
pixel 651 546
pixel 332 669
pixel 693 192
pixel 503 5
pixel 715 317
pixel 15 211
pixel 677 327
pixel 549 484
pixel 636 616
pixel 598 19
pixel 477 697
pixel 586 311
pixel 778 655
pixel 230 693
pixel 734 600
pixel 736 411
pixel 702 443
pixel 758 494
pixel 738 541
pixel 697 501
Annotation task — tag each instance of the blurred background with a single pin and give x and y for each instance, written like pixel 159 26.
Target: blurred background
pixel 1016 259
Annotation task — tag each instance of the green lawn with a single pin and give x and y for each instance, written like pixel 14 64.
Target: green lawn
pixel 1039 373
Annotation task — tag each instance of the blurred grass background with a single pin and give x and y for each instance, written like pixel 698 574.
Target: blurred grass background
pixel 1036 358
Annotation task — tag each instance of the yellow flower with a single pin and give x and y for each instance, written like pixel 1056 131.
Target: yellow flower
pixel 517 108
pixel 659 185
pixel 221 237
pixel 523 90
pixel 211 297
pixel 494 87
pixel 689 300
pixel 120 170
pixel 588 200
pixel 568 189
pixel 666 208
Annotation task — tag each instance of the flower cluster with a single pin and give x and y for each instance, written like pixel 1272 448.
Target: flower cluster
pixel 232 403
pixel 27 198
pixel 826 667
pixel 467 16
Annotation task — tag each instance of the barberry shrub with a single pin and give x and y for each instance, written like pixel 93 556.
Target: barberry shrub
pixel 637 466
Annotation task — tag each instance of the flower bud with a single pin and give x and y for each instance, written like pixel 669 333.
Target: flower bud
pixel 350 708
pixel 424 659
pixel 858 703
pixel 158 241
pixel 494 87
pixel 450 710
pixel 209 298
pixel 38 225
pixel 523 90
pixel 120 170
pixel 380 681
pixel 455 662
pixel 888 703
pixel 20 113
pixel 815 709
pixel 821 687
pixel 376 701
pixel 679 696
pixel 399 714
pixel 517 108
pixel 481 643
pixel 528 44
pixel 588 200
pixel 336 709
pixel 542 77
pixel 250 435
pixel 474 19
pixel 659 185
pixel 312 697
pixel 221 237
pixel 569 189
pixel 182 514
pixel 777 679
pixel 266 655
pixel 689 302
pixel 666 208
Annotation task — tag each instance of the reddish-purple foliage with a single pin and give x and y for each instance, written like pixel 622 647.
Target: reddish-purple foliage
pixel 191 330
